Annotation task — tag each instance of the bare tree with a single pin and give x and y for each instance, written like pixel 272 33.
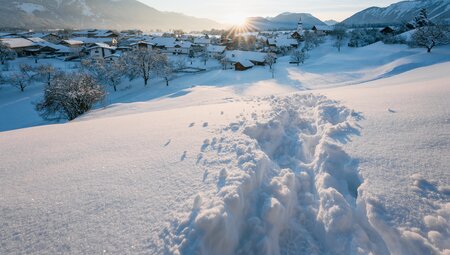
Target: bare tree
pixel 204 57
pixel 312 40
pixel 270 59
pixel 23 78
pixel 298 56
pixel 108 73
pixel 142 63
pixel 6 53
pixel 45 72
pixel 339 34
pixel 430 36
pixel 224 61
pixel 69 96
pixel 163 67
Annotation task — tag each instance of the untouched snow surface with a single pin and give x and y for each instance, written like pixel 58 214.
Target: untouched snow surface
pixel 228 162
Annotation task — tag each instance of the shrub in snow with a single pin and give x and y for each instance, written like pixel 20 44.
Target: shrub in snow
pixel 69 96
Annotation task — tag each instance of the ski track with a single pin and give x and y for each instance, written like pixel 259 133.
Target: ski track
pixel 279 183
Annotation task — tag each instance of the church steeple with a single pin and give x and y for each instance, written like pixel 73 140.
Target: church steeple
pixel 300 25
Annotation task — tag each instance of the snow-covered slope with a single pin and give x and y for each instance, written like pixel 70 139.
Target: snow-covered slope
pixel 232 162
pixel 116 14
pixel 405 11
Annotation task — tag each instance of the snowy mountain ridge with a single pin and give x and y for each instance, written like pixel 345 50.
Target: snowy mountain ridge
pixel 111 14
pixel 286 20
pixel 405 11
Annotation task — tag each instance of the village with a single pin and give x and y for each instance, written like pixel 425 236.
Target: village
pixel 240 50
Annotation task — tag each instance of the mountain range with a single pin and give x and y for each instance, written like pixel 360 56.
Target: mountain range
pixel 405 11
pixel 285 20
pixel 117 14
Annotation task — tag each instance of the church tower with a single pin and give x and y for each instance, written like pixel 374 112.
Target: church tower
pixel 300 26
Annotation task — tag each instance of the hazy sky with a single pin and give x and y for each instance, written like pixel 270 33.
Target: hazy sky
pixel 233 10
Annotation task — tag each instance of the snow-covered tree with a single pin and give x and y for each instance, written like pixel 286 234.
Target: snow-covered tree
pixel 142 62
pixel 298 56
pixel 69 96
pixel 163 68
pixel 422 20
pixel 108 73
pixel 224 62
pixel 339 35
pixel 430 36
pixel 204 57
pixel 45 72
pixel 23 78
pixel 6 53
pixel 270 59
pixel 312 40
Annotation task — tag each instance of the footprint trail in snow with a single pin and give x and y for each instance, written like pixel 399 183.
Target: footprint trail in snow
pixel 279 183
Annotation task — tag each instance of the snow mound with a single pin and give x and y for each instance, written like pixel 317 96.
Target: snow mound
pixel 279 183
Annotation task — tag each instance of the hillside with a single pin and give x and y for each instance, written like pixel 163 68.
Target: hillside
pixel 117 14
pixel 405 11
pixel 226 162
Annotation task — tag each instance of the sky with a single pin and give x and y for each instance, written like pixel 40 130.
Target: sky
pixel 234 11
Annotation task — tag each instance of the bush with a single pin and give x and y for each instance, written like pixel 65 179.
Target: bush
pixel 68 96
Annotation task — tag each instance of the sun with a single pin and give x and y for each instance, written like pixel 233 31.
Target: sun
pixel 237 20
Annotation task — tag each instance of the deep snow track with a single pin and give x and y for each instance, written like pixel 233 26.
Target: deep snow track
pixel 279 183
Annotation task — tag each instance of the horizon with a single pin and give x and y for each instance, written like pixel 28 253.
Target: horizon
pixel 233 11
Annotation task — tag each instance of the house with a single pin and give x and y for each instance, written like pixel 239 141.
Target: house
pixel 141 45
pixel 75 46
pixel 387 30
pixel 257 58
pixel 179 48
pixel 243 65
pixel 215 51
pixel 22 47
pixel 282 42
pixel 322 29
pixel 100 50
pixel 203 41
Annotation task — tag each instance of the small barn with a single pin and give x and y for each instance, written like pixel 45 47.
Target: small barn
pixel 243 65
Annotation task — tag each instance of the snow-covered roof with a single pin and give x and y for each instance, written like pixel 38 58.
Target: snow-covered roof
pixel 238 55
pixel 102 45
pixel 163 41
pixel 92 40
pixel 282 42
pixel 14 43
pixel 215 48
pixel 73 42
pixel 202 40
pixel 245 63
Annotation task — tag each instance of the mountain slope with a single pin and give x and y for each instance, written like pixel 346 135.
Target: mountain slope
pixel 115 14
pixel 285 20
pixel 438 11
